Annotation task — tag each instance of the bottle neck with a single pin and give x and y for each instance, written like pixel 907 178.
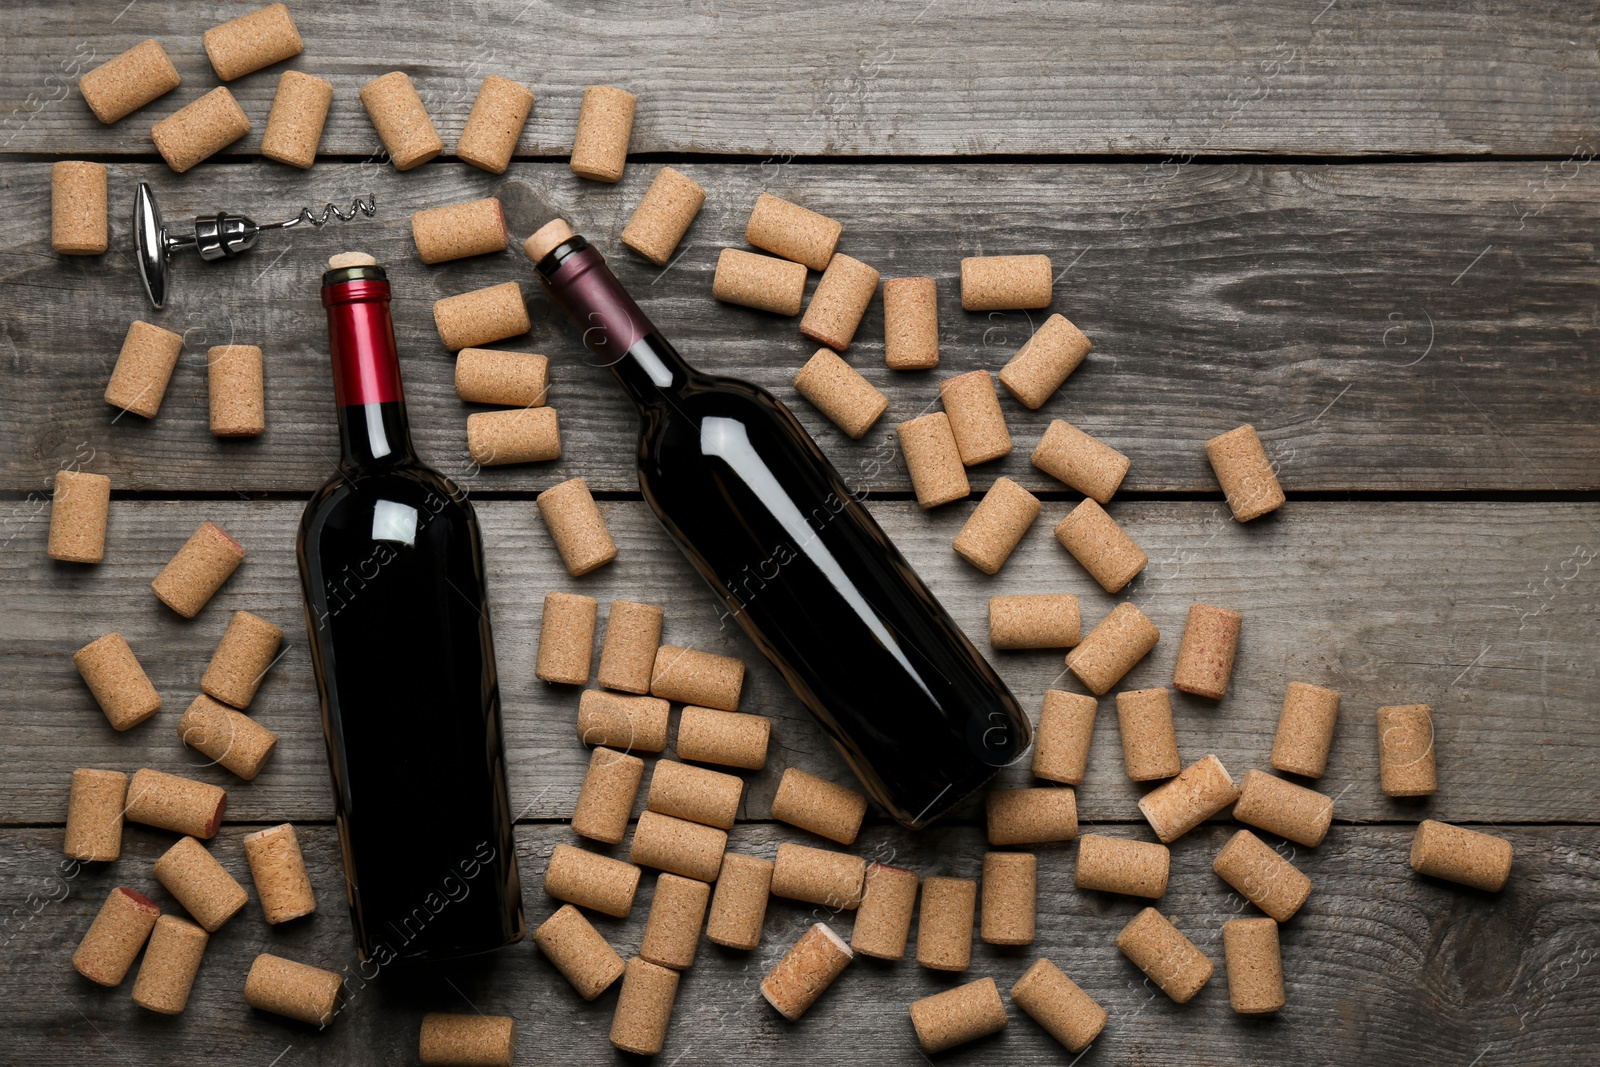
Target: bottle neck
pixel 373 430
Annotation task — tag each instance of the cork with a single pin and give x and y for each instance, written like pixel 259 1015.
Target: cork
pixel 793 232
pixel 1149 742
pixel 1005 283
pixel 739 905
pixel 144 366
pixel 1112 648
pixel 170 963
pixel 1254 964
pixel 471 320
pixel 644 1007
pixel 606 800
pixel 279 872
pixel 839 301
pixel 806 971
pixel 1010 898
pixel 1302 815
pixel 632 724
pixel 547 239
pixel 125 83
pixel 181 805
pixel 1205 656
pixel 78 512
pixel 576 526
pixel 933 460
pixel 1040 366
pixel 975 417
pixel 944 926
pixel 1169 959
pixel 883 921
pixel 1032 816
pixel 248 647
pixel 815 804
pixel 840 392
pixel 566 638
pixel 578 951
pixel 1305 730
pixel 1061 744
pixel 590 880
pixel 958 1015
pixel 819 876
pixel 1245 472
pixel 227 737
pixel 295 123
pixel 297 991
pixel 351 259
pixel 202 885
pixel 728 738
pixel 678 846
pixel 456 231
pixel 466 1040
pixel 200 130
pixel 237 388
pixel 192 576
pixel 1088 465
pixel 605 124
pixel 694 793
pixel 1055 1002
pixel 1405 751
pixel 495 124
pixel 510 379
pixel 1199 792
pixel 246 44
pixel 910 323
pixel 1261 876
pixel 402 122
pixel 1099 542
pixel 1467 857
pixel 760 282
pixel 1119 865
pixel 1034 620
pixel 663 216
pixel 118 932
pixel 695 677
pixel 677 911
pixel 78 225
pixel 119 684
pixel 996 526
pixel 633 633
pixel 94 815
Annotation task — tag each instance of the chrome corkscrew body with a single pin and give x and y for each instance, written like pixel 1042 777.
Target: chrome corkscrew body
pixel 220 236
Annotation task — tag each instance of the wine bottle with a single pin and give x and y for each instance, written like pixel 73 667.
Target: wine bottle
pixel 799 562
pixel 391 565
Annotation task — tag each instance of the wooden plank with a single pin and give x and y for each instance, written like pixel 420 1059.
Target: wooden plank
pixel 1484 611
pixel 941 77
pixel 1404 327
pixel 1378 958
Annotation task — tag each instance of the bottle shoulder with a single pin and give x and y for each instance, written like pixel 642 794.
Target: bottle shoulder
pixel 409 485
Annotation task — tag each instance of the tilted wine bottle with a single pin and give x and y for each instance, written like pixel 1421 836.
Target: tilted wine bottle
pixel 799 562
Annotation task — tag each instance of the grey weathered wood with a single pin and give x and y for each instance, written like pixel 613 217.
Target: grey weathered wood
pixel 939 77
pixel 1484 611
pixel 1405 327
pixel 1378 959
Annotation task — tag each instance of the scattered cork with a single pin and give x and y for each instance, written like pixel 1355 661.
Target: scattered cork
pixel 351 259
pixel 1199 792
pixel 975 417
pixel 190 579
pixel 944 926
pixel 566 638
pixel 958 1015
pixel 840 392
pixel 579 952
pixel 883 921
pixel 249 646
pixel 1405 751
pixel 78 512
pixel 644 1007
pixel 1112 648
pixel 806 971
pixel 1032 816
pixel 170 964
pixel 695 677
pixel 510 379
pixel 246 44
pixel 1255 965
pixel 1010 898
pixel 1305 730
pixel 294 990
pixel 456 231
pixel 547 239
pixel 1055 1002
pixel 576 526
pixel 739 906
pixel 1261 876
pixel 672 932
pixel 606 800
pixel 910 323
pixel 471 320
pixel 1245 472
pixel 1034 620
pixel 200 130
pixel 1205 656
pixel 1061 744
pixel 144 367
pixel 227 737
pixel 590 880
pixel 119 684
pixel 1149 741
pixel 760 282
pixel 1119 865
pixel 678 846
pixel 1467 857
pixel 202 885
pixel 94 815
pixel 819 876
pixel 114 939
pixel 814 804
pixel 78 225
pixel 695 793
pixel 933 460
pixel 236 385
pixel 1005 283
pixel 495 124
pixel 1099 542
pixel 279 871
pixel 1302 815
pixel 996 526
pixel 181 805
pixel 629 723
pixel 793 232
pixel 663 216
pixel 1170 960
pixel 633 634
pixel 295 123
pixel 466 1040
pixel 125 83
pixel 728 738
pixel 1042 364
pixel 605 125
pixel 839 301
pixel 1088 465
pixel 401 120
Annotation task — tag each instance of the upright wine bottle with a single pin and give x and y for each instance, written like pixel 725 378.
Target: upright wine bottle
pixel 391 564
pixel 800 563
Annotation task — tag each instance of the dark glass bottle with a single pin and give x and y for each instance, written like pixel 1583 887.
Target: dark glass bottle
pixel 391 564
pixel 800 563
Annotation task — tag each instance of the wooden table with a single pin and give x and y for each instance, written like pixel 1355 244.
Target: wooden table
pixel 1367 228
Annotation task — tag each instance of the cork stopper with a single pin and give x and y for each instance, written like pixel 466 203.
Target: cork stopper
pixel 806 971
pixel 678 846
pixel 630 724
pixel 839 301
pixel 114 939
pixel 1061 744
pixel 456 231
pixel 1205 656
pixel 944 926
pixel 1202 790
pixel 694 793
pixel 1119 865
pixel 236 384
pixel 605 125
pixel 1113 648
pixel 79 509
pixel 495 124
pixel 1035 620
pixel 509 379
pixel 1405 751
pixel 590 880
pixel 181 805
pixel 479 1040
pixel 579 952
pixel 958 1015
pixel 672 932
pixel 606 799
pixel 295 123
pixel 1010 898
pixel 1099 542
pixel 190 579
pixel 577 527
pixel 1245 473
pixel 1149 741
pixel 840 392
pixel 822 807
pixel 663 216
pixel 728 738
pixel 294 990
pixel 471 320
pixel 933 460
pixel 402 122
pixel 883 921
pixel 566 638
pixel 739 906
pixel 1457 854
pixel 246 44
pixel 760 282
pixel 239 665
pixel 547 239
pixel 125 83
pixel 975 417
pixel 819 876
pixel 78 225
pixel 351 259
pixel 644 1007
pixel 199 131
pixel 1032 816
pixel 94 815
pixel 1169 959
pixel 695 677
pixel 227 737
pixel 202 885
pixel 633 634
pixel 1005 283
pixel 1043 364
pixel 1255 966
pixel 1261 876
pixel 279 871
pixel 910 323
pixel 793 232
pixel 996 526
pixel 144 367
pixel 170 963
pixel 1305 730
pixel 1302 815
pixel 1088 465
pixel 1055 1002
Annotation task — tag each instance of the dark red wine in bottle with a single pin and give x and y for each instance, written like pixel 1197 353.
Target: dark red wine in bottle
pixel 800 563
pixel 391 564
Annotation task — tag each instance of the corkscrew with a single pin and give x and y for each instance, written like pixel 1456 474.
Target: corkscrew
pixel 220 236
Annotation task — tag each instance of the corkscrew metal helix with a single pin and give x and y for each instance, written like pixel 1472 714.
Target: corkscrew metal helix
pixel 219 236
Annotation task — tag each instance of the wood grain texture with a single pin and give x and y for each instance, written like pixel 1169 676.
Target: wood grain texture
pixel 1385 327
pixel 931 77
pixel 1483 611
